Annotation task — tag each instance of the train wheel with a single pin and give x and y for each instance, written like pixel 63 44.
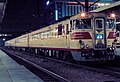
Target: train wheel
pixel 54 54
pixel 60 55
pixel 69 57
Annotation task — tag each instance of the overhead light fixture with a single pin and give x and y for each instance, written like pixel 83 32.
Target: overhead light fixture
pixel 48 2
pixel 3 39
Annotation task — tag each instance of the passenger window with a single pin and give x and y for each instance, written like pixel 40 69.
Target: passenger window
pixel 42 35
pixel 39 35
pixel 71 25
pixel 67 29
pixel 60 29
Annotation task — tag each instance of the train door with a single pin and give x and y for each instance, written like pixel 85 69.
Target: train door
pixel 67 36
pixel 99 32
pixel 68 32
pixel 118 32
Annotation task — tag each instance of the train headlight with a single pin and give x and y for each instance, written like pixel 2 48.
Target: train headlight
pixel 113 48
pixel 83 14
pixel 82 46
pixel 110 48
pixel 87 46
pixel 112 15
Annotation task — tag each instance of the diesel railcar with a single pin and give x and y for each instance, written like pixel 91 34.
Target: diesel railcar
pixel 84 37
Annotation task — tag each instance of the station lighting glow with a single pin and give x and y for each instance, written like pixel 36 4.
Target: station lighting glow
pixel 3 39
pixel 72 2
pixel 56 14
pixel 48 2
pixel 103 4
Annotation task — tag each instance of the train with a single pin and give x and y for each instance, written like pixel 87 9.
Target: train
pixel 118 34
pixel 87 36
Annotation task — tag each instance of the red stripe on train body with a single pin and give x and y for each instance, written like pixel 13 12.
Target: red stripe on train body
pixel 81 35
pixel 111 35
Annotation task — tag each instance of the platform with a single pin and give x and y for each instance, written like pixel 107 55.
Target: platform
pixel 11 71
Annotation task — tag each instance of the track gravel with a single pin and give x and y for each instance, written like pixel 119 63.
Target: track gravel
pixel 72 73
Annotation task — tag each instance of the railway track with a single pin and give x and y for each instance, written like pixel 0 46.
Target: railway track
pixel 109 71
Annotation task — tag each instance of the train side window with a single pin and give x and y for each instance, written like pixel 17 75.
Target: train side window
pixel 39 35
pixel 50 33
pixel 67 29
pixel 42 35
pixel 60 29
pixel 71 25
pixel 35 37
pixel 118 27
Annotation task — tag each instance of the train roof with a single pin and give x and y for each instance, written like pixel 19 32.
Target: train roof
pixel 106 7
pixel 52 26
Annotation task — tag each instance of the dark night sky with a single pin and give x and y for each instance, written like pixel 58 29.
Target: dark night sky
pixel 21 14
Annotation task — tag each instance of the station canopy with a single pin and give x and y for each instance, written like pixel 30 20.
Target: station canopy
pixel 2 9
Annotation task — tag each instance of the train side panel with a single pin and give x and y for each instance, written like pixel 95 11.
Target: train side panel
pixel 50 37
pixel 22 41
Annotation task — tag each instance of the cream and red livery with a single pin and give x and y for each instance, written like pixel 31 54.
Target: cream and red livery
pixel 83 37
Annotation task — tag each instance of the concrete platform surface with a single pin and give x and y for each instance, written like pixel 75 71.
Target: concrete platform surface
pixel 11 71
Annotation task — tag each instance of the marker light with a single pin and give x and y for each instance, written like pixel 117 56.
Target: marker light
pixel 113 15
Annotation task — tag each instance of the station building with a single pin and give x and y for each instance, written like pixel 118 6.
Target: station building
pixel 57 9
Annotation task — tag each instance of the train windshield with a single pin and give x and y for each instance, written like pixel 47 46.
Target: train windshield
pixel 99 24
pixel 111 23
pixel 117 26
pixel 83 24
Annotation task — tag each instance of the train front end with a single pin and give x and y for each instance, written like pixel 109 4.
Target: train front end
pixel 95 34
pixel 104 37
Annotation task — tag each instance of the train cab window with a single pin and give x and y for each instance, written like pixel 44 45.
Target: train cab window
pixel 111 23
pixel 83 24
pixel 118 27
pixel 99 23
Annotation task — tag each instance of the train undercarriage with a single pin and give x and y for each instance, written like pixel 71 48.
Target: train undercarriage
pixel 71 56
